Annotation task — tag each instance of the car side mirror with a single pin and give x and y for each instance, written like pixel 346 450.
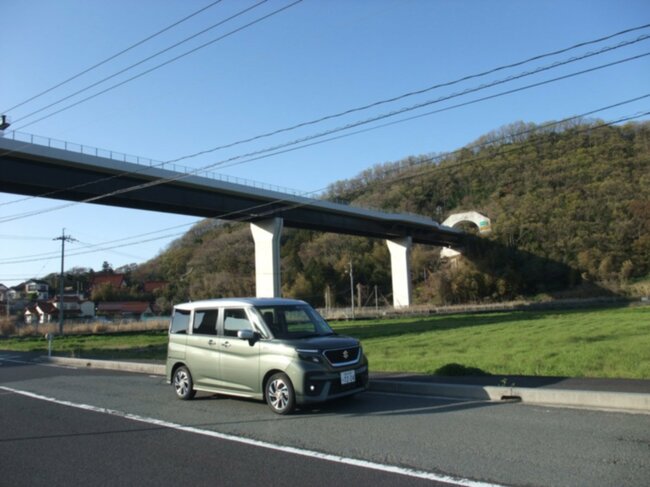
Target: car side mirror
pixel 249 335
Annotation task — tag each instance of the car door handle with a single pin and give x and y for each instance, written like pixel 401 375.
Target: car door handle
pixel 211 342
pixel 226 344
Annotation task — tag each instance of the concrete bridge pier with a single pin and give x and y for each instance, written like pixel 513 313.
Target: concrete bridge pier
pixel 266 234
pixel 400 263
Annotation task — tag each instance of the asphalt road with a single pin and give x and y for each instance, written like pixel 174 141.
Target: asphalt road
pixel 60 425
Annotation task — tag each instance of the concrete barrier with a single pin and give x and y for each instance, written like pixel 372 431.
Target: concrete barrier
pixel 613 401
pixel 138 367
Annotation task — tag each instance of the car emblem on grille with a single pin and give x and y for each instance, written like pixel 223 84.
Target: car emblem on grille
pixel 346 354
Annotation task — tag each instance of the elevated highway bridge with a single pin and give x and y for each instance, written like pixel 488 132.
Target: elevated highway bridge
pixel 54 169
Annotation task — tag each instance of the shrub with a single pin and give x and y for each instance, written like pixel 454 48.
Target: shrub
pixel 7 326
pixel 455 370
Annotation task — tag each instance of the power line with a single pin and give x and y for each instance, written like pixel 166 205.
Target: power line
pixel 475 159
pixel 110 58
pixel 286 147
pixel 128 68
pixel 99 249
pixel 318 120
pixel 123 254
pixel 294 205
pixel 408 94
pixel 176 58
pixel 229 162
pixel 390 114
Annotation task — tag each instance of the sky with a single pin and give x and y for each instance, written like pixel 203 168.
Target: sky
pixel 264 66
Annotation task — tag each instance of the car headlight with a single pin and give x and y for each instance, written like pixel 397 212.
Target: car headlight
pixel 310 355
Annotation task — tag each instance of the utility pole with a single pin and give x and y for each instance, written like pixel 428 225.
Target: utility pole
pixel 64 238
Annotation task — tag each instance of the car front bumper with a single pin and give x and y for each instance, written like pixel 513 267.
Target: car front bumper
pixel 321 386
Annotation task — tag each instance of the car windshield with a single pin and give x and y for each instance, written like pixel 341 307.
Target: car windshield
pixel 293 321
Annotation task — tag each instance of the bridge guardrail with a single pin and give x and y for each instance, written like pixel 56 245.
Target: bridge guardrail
pixel 148 162
pixel 141 161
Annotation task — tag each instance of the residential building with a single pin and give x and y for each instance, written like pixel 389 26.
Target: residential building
pixel 117 281
pixel 39 289
pixel 40 312
pixel 75 306
pixel 125 310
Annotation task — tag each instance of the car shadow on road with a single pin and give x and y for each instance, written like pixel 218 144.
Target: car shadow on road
pixel 362 405
pixel 388 404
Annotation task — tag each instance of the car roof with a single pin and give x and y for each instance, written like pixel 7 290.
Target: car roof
pixel 241 302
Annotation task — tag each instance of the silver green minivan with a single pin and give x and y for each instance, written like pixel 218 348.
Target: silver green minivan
pixel 278 350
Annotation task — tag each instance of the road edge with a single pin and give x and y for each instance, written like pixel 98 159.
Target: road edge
pixel 598 400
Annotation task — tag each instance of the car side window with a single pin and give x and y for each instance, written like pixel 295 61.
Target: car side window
pixel 180 321
pixel 235 320
pixel 205 322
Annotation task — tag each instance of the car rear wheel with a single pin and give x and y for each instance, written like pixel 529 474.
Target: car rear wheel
pixel 279 394
pixel 183 384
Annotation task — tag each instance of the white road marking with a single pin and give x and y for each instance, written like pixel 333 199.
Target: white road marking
pixel 261 444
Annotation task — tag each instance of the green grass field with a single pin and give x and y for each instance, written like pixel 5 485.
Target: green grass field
pixel 612 342
pixel 132 345
pixel 596 343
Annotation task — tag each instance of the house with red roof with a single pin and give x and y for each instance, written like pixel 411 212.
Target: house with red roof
pixel 40 312
pixel 125 310
pixel 116 281
pixel 48 311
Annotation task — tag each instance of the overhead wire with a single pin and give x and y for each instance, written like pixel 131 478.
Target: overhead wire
pixel 480 87
pixel 432 159
pixel 113 56
pixel 142 61
pixel 117 252
pixel 155 68
pixel 331 116
pixel 289 146
pixel 229 162
pixel 182 176
pixel 618 121
pixel 294 205
pixel 408 94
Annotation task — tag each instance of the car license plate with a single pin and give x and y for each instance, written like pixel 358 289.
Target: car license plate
pixel 348 377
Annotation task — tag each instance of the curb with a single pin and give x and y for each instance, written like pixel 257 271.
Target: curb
pixel 610 401
pixel 138 367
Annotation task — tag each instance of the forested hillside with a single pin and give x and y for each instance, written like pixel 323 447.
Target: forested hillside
pixel 570 210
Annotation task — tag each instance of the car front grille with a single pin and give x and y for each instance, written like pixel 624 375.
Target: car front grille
pixel 343 356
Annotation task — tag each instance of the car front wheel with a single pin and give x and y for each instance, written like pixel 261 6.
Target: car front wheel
pixel 279 394
pixel 183 384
